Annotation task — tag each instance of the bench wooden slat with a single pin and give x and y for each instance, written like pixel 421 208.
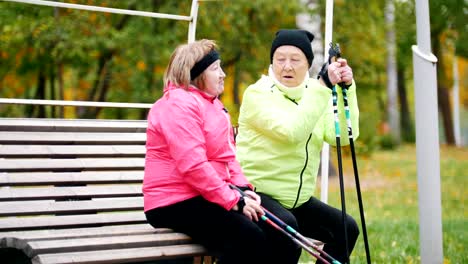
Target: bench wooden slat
pixel 70 192
pixel 77 207
pixel 21 137
pixel 54 151
pixel 50 178
pixel 44 193
pixel 71 221
pixel 109 242
pixel 71 164
pixel 69 233
pixel 80 125
pixel 121 255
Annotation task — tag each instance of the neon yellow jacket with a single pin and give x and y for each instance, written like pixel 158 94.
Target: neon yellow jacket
pixel 280 139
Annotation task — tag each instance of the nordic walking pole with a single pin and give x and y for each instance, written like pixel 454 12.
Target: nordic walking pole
pixel 309 243
pixel 344 89
pixel 291 233
pixel 332 52
pixel 356 175
pixel 302 245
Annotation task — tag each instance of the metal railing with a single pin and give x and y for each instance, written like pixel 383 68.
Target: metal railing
pixel 73 103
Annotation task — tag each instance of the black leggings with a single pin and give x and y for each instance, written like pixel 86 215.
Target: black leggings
pixel 230 235
pixel 236 239
pixel 320 221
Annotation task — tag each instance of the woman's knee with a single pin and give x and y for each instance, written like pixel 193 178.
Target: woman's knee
pixel 289 219
pixel 275 208
pixel 248 237
pixel 352 228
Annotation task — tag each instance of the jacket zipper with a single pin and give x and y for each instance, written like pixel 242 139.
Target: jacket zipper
pixel 303 169
pixel 306 160
pixel 228 139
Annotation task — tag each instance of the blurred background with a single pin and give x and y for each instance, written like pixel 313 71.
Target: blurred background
pixel 64 54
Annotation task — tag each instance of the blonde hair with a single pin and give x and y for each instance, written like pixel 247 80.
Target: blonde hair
pixel 182 61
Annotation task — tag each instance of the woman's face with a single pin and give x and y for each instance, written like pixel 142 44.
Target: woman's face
pixel 290 65
pixel 213 79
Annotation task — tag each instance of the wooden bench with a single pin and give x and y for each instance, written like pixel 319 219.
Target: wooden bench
pixel 70 192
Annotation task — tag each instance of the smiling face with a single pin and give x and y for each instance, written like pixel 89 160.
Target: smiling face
pixel 290 65
pixel 212 81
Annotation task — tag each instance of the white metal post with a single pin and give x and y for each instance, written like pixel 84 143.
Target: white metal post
pixel 427 140
pixel 326 147
pixel 193 22
pixel 102 9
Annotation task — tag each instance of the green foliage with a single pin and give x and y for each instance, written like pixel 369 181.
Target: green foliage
pixel 387 142
pixel 118 58
pixel 110 57
pixel 245 30
pixel 354 22
pixel 368 139
pixel 369 119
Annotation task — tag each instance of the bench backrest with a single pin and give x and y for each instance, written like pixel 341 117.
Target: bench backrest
pixel 70 173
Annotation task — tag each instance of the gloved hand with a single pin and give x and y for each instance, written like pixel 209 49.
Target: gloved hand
pixel 337 72
pixel 330 74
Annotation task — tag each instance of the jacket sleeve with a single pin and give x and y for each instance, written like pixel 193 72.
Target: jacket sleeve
pixel 184 135
pixel 268 113
pixel 328 120
pixel 237 177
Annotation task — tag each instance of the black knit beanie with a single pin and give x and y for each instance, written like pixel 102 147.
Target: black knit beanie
pixel 294 37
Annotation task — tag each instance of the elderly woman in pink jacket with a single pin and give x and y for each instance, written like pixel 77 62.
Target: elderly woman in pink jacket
pixel 190 161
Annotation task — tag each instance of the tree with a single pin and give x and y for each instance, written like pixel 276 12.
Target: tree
pixel 393 116
pixel 405 28
pixel 244 29
pixel 448 23
pixel 112 57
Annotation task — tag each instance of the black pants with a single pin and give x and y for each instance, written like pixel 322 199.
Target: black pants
pixel 320 221
pixel 236 239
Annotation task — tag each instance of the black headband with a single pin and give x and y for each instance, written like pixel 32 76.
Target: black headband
pixel 200 66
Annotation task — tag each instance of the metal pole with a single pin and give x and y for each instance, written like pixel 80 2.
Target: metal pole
pixel 103 9
pixel 326 147
pixel 73 103
pixel 193 22
pixel 427 140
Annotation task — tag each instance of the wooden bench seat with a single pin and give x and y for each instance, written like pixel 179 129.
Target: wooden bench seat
pixel 70 192
pixel 121 255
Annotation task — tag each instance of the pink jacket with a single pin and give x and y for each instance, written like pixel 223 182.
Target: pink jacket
pixel 190 151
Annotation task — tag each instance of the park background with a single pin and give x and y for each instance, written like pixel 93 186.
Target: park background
pixel 64 54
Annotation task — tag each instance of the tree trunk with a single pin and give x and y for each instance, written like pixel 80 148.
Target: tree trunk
pixel 445 109
pixel 393 116
pixel 443 93
pixel 52 92
pixel 39 110
pixel 235 88
pixel 100 87
pixel 312 23
pixel 94 94
pixel 103 77
pixel 407 128
pixel 61 91
pixel 59 67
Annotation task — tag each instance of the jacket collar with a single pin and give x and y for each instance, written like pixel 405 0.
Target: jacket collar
pixel 191 88
pixel 294 93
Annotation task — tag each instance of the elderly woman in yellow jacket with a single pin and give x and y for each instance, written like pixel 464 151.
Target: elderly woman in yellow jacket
pixel 284 119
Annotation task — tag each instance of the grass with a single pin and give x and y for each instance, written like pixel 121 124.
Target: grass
pixel 390 197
